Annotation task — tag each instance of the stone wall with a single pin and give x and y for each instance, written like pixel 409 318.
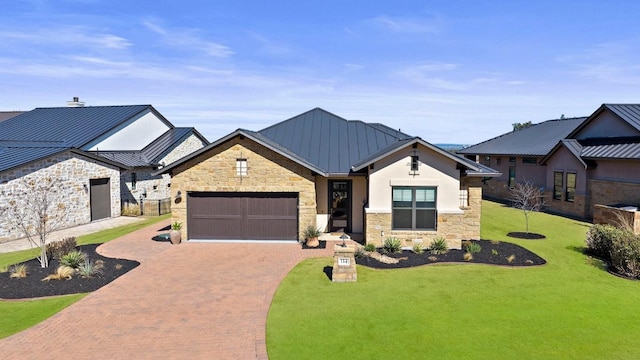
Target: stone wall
pixel 188 146
pixel 75 172
pixel 454 227
pixel 215 170
pixel 604 192
pixel 603 214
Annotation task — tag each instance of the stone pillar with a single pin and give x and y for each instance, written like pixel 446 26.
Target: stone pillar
pixel 344 264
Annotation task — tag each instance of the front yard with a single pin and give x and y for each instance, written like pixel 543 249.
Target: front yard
pixel 569 308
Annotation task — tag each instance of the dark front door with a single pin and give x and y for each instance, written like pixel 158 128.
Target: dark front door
pixel 340 205
pixel 100 199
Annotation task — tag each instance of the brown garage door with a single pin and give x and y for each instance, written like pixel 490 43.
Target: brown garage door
pixel 242 216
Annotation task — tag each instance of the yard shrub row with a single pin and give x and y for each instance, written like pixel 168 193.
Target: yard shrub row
pixel 621 247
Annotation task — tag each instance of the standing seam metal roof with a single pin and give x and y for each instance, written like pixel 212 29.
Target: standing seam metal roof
pixel 536 140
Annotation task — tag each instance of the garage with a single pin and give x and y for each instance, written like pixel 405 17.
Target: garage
pixel 242 216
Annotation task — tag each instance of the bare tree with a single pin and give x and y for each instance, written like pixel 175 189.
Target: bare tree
pixel 37 207
pixel 527 197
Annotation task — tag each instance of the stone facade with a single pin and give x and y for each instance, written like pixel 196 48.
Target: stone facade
pixel 577 208
pixel 215 171
pixel 454 227
pixel 605 192
pixel 75 171
pixel 155 187
pixel 603 214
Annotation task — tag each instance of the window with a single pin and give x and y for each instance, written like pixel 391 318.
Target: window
pixel 414 162
pixel 133 181
pixel 512 159
pixel 414 208
pixel 571 187
pixel 512 176
pixel 529 160
pixel 557 185
pixel 241 167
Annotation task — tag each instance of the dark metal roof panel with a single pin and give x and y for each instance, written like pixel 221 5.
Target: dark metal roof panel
pixel 536 140
pixel 11 157
pixel 165 142
pixel 75 126
pixel 328 141
pixel 126 158
pixel 573 146
pixel 628 112
pixel 613 151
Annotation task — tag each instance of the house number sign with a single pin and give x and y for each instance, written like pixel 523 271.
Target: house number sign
pixel 344 261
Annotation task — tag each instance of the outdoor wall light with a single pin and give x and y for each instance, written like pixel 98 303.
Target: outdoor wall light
pixel 178 195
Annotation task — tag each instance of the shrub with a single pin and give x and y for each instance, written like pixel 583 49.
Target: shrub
pixel 392 245
pixel 56 249
pixel 511 258
pixel 494 252
pixel 176 225
pixel 89 269
pixel 19 271
pixel 473 247
pixel 468 256
pixel 439 246
pixel 360 253
pixel 62 272
pixel 417 248
pixel 625 254
pixel 73 259
pixel 131 210
pixel 599 240
pixel 311 231
pixel 370 247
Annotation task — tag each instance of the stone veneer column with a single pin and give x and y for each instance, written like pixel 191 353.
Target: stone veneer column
pixel 344 264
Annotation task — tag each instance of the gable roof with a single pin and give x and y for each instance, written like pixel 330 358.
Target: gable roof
pixel 535 140
pixel 331 145
pixel 572 145
pixel 44 132
pixel 629 113
pixel 154 152
pixel 76 126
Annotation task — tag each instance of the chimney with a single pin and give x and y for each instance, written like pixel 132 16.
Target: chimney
pixel 75 103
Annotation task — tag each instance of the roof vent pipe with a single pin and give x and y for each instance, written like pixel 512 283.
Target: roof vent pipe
pixel 75 103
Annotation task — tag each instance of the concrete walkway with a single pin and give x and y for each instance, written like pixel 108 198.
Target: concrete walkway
pixel 187 301
pixel 104 224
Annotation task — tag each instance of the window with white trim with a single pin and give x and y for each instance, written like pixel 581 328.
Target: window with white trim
pixel 241 167
pixel 414 208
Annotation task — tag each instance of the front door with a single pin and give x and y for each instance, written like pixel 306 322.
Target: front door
pixel 340 205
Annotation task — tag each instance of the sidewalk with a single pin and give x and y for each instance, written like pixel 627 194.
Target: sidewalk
pixel 23 244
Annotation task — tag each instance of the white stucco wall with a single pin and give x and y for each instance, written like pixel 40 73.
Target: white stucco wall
pixel 395 170
pixel 75 171
pixel 134 135
pixel 358 199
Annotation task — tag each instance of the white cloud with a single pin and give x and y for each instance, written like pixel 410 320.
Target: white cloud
pixel 188 39
pixel 68 36
pixel 411 25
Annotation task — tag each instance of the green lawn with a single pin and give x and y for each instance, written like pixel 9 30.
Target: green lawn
pixel 567 309
pixel 20 315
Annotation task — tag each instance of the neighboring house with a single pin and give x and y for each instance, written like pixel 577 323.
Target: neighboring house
pixel 596 163
pixel 105 154
pixel 318 169
pixel 4 115
pixel 517 155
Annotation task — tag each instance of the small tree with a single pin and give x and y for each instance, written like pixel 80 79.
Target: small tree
pixel 520 126
pixel 526 197
pixel 37 208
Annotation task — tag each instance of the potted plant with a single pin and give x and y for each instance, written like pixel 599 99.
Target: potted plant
pixel 311 234
pixel 175 234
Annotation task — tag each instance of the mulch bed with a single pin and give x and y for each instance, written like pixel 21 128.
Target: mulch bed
pixel 503 252
pixel 526 235
pixel 32 286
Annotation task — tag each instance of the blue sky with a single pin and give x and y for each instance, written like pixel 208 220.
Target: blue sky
pixel 447 71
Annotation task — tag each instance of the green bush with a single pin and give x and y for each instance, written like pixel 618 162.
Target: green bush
pixel 360 253
pixel 417 248
pixel 370 247
pixel 73 259
pixel 599 240
pixel 392 245
pixel 473 247
pixel 439 246
pixel 56 249
pixel 625 254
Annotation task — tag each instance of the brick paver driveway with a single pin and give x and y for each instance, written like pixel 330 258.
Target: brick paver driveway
pixel 194 300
